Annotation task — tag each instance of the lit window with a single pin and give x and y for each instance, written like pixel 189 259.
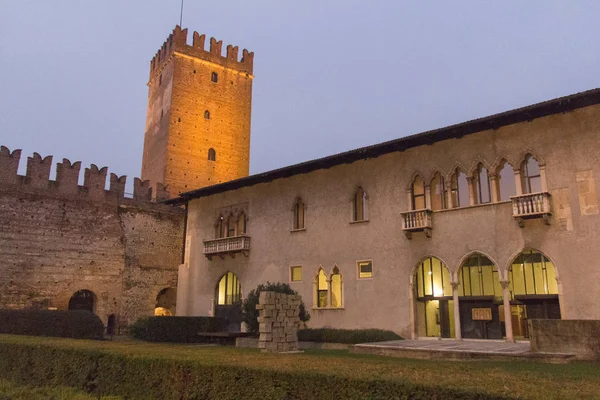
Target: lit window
pixel 336 288
pixel 530 171
pixel 212 155
pixel 478 276
pixel 206 114
pixel 418 194
pixel 214 77
pixel 229 290
pixel 359 205
pixel 296 274
pixel 298 214
pixel 365 269
pixel 322 288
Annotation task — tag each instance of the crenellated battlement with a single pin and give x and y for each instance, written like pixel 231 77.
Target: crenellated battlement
pixel 37 178
pixel 177 41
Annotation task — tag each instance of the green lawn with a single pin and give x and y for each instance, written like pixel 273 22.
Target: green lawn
pixel 508 379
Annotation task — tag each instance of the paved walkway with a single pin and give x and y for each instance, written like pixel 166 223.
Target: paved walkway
pixel 462 346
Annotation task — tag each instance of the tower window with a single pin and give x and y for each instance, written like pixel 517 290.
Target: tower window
pixel 160 80
pixel 214 77
pixel 206 114
pixel 212 155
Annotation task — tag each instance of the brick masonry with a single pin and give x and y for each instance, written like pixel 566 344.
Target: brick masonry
pixel 58 238
pixel 278 322
pixel 178 135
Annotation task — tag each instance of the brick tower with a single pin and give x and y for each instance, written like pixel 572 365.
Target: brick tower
pixel 198 118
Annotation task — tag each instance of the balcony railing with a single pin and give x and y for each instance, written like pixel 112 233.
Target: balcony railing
pixel 229 245
pixel 416 221
pixel 531 205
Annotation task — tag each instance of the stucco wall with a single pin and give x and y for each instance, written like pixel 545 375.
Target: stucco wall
pixel 566 143
pixel 578 337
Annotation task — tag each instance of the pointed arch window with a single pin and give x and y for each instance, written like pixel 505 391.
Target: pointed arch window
pixel 531 176
pixel 299 209
pixel 241 224
pixel 336 288
pixel 212 155
pixel 438 192
pixel 359 205
pixel 220 227
pixel 231 225
pixel 418 194
pixel 459 189
pixel 506 181
pixel 322 288
pixel 484 194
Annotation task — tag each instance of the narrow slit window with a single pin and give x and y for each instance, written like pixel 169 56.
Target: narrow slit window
pixel 212 155
pixel 214 77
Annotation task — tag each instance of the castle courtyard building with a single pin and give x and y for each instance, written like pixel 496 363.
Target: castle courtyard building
pixel 467 231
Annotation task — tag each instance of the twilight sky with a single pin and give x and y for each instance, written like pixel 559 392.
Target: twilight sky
pixel 331 75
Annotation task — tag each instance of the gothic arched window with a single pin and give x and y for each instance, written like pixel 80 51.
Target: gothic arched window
pixel 212 155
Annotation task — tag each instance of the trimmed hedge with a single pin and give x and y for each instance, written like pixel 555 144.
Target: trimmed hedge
pixel 349 336
pixel 176 329
pixel 115 373
pixel 76 324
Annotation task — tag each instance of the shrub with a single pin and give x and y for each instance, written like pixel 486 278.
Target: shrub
pixel 134 375
pixel 250 313
pixel 176 329
pixel 350 336
pixel 69 324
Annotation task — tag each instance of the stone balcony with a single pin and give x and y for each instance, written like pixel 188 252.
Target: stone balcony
pixel 227 246
pixel 531 205
pixel 416 221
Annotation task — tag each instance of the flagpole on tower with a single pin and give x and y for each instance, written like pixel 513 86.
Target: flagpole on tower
pixel 181 14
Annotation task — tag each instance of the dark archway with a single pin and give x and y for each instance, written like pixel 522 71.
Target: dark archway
pixel 83 300
pixel 228 301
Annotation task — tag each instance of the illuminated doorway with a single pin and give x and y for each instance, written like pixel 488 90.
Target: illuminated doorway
pixel 434 304
pixel 166 302
pixel 480 299
pixel 228 301
pixel 533 291
pixel 83 300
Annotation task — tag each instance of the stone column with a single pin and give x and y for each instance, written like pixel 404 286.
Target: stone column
pixel 518 183
pixel 413 311
pixel 507 312
pixel 472 189
pixel 457 329
pixel 543 178
pixel 449 202
pixel 494 187
pixel 329 291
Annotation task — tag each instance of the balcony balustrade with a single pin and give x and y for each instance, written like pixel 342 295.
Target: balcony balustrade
pixel 416 221
pixel 531 205
pixel 229 245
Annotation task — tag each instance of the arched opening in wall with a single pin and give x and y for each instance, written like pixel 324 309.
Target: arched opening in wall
pixel 228 301
pixel 212 155
pixel 83 300
pixel 531 179
pixel 438 192
pixel 533 290
pixel 484 188
pixel 506 181
pixel 480 299
pixel 231 225
pixel 166 302
pixel 298 222
pixel 336 289
pixel 434 303
pixel 459 188
pixel 241 224
pixel 359 205
pixel 418 194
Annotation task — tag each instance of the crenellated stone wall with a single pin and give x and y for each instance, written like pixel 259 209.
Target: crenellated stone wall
pixel 58 238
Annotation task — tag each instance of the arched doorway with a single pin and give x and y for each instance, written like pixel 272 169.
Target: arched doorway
pixel 533 290
pixel 480 299
pixel 434 304
pixel 166 301
pixel 83 300
pixel 228 301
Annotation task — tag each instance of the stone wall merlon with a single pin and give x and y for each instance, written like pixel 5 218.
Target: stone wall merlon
pixel 37 178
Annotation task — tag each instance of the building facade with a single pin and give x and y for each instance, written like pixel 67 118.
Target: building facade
pixel 198 118
pixel 464 232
